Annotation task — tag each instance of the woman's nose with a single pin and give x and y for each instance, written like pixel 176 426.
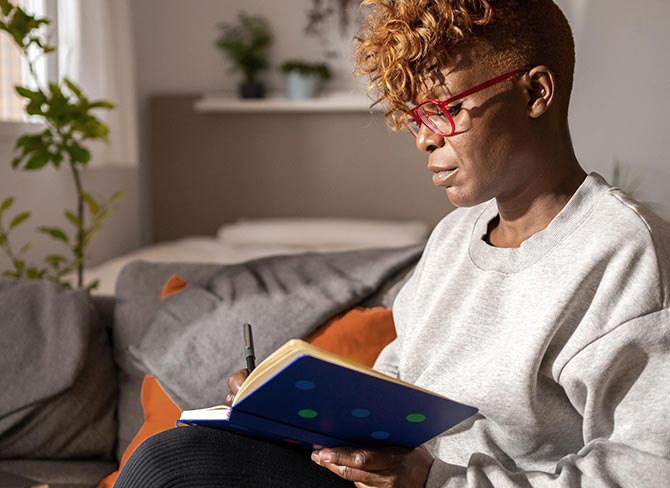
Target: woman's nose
pixel 427 140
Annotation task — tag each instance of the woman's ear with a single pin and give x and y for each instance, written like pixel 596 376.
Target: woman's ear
pixel 540 84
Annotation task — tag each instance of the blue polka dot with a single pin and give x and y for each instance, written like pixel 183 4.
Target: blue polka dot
pixel 360 412
pixel 305 385
pixel 380 434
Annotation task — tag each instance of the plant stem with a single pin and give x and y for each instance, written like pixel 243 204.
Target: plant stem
pixel 78 248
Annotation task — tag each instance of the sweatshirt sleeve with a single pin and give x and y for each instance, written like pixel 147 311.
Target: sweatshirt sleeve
pixel 620 384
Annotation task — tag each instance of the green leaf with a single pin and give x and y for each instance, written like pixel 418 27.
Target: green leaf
pixel 34 273
pixel 26 141
pixel 102 104
pixel 5 7
pixel 78 154
pixel 56 92
pixel 38 160
pixel 74 88
pixel 90 236
pixel 116 197
pixel 55 260
pixel 6 203
pixel 93 206
pixel 93 284
pixel 29 94
pixel 19 219
pixel 54 232
pixel 102 216
pixel 24 248
pixel 3 239
pixel 73 218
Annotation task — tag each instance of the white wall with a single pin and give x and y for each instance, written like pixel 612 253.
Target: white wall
pixel 174 42
pixel 620 107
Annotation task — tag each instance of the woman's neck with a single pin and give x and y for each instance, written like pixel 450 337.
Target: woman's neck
pixel 542 198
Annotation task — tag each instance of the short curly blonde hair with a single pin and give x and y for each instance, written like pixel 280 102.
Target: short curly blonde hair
pixel 404 43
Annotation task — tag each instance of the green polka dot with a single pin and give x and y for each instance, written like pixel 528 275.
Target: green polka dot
pixel 308 413
pixel 415 418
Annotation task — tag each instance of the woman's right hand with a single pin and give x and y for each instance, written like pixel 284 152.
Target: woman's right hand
pixel 234 383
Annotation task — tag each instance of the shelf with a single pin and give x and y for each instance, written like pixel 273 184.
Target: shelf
pixel 328 102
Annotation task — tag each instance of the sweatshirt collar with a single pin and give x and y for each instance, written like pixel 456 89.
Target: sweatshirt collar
pixel 533 249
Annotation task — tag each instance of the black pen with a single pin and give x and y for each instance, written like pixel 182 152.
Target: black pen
pixel 249 353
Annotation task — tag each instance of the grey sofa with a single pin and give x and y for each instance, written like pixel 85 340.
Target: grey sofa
pixel 86 472
pixel 112 378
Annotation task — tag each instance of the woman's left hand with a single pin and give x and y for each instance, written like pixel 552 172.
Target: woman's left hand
pixel 378 468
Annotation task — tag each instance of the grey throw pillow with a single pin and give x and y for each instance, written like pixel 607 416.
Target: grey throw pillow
pixel 57 374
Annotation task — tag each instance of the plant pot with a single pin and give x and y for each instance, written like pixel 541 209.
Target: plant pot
pixel 300 86
pixel 251 89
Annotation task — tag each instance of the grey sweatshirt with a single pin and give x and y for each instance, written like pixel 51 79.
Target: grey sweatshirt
pixel 563 344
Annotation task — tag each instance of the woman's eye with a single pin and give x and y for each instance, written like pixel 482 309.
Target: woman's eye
pixel 454 110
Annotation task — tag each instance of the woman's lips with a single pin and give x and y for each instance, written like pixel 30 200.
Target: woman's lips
pixel 440 177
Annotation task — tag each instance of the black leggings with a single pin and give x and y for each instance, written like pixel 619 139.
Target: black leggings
pixel 199 457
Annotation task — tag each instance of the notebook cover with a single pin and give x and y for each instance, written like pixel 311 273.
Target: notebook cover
pixel 338 403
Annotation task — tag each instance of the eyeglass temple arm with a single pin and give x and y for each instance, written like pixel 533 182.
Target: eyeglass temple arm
pixel 485 85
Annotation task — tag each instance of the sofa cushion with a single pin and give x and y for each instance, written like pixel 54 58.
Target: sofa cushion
pixel 56 373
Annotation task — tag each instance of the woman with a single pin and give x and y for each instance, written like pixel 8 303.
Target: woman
pixel 542 300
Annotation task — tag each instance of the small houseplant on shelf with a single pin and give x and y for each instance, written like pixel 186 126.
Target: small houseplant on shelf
pixel 246 44
pixel 304 79
pixel 67 126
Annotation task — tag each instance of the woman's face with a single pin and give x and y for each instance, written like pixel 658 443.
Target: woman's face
pixel 488 157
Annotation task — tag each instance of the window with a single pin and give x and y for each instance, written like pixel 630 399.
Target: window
pixel 14 68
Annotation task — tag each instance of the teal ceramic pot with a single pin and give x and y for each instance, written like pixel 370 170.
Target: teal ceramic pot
pixel 299 86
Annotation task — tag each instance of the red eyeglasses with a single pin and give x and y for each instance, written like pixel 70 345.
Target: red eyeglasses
pixel 438 115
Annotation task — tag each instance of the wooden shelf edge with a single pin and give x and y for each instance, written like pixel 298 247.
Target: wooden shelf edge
pixel 329 102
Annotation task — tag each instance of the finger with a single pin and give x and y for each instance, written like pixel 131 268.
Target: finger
pixel 352 474
pixel 368 460
pixel 234 383
pixel 236 380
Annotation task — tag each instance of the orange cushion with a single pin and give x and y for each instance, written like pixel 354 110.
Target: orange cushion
pixel 359 334
pixel 173 285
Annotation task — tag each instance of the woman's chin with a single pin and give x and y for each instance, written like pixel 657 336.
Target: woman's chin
pixel 459 198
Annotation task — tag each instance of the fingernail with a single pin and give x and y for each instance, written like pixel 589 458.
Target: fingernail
pixel 315 457
pixel 325 457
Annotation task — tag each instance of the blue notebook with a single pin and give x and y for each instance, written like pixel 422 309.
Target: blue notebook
pixel 304 396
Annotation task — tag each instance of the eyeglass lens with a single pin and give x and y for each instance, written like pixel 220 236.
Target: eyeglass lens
pixel 437 121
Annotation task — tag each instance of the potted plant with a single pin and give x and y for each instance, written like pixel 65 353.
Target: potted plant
pixel 304 79
pixel 69 123
pixel 246 44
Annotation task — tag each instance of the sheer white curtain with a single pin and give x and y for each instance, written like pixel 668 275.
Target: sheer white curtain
pixel 95 49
